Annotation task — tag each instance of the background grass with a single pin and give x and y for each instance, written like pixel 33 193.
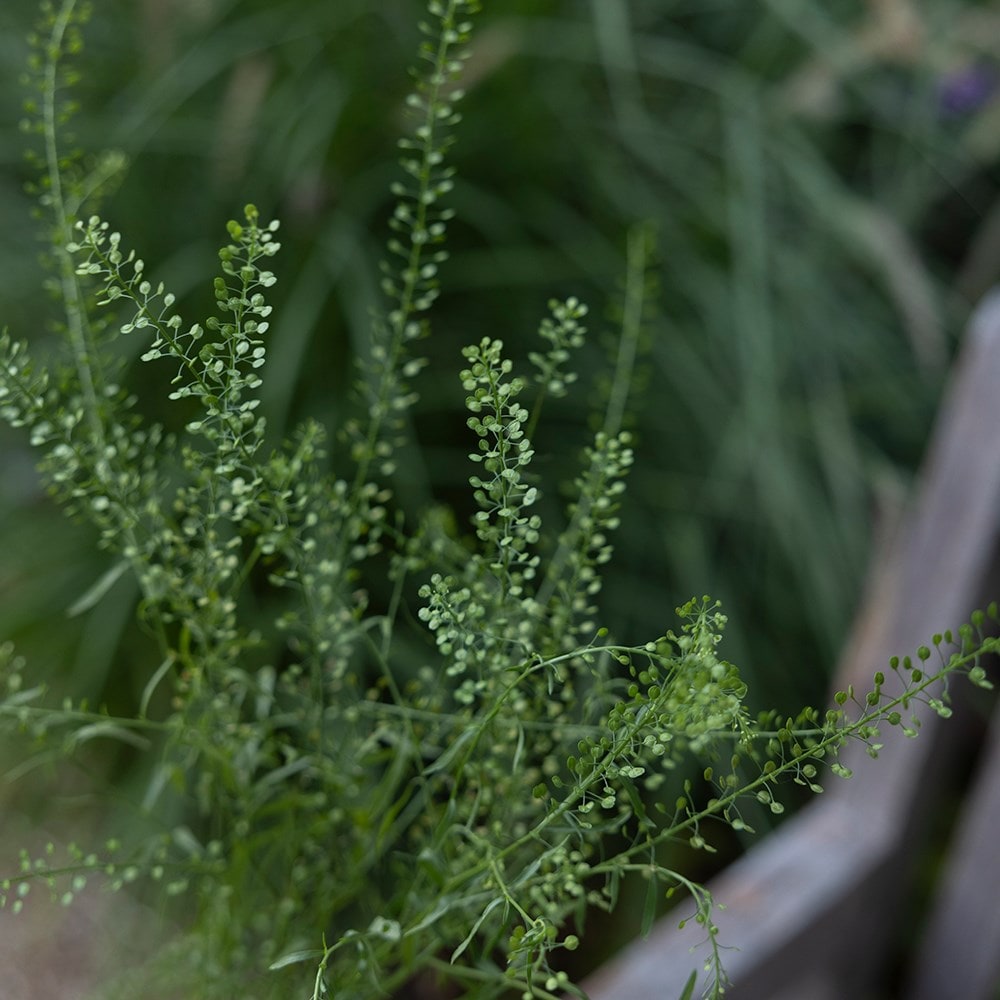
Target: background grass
pixel 823 182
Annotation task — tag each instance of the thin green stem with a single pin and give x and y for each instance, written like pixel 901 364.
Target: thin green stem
pixel 400 317
pixel 72 296
pixel 636 288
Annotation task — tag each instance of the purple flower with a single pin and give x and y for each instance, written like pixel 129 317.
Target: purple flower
pixel 965 90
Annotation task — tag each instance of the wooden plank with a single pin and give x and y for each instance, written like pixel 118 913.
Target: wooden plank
pixel 784 901
pixel 811 908
pixel 959 953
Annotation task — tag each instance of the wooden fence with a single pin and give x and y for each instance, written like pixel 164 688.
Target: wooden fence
pixel 815 910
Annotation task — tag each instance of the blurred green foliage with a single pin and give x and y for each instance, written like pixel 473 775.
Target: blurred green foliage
pixel 821 179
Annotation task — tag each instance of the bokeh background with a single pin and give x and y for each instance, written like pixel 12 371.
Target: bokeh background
pixel 823 181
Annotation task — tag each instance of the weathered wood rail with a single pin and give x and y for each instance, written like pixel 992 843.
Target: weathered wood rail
pixel 814 908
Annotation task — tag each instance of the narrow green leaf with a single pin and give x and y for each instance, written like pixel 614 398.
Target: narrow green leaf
pixel 108 730
pixel 444 761
pixel 95 592
pixel 493 904
pixel 294 957
pixel 689 987
pixel 23 697
pixel 152 684
pixel 649 907
pixel 440 909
